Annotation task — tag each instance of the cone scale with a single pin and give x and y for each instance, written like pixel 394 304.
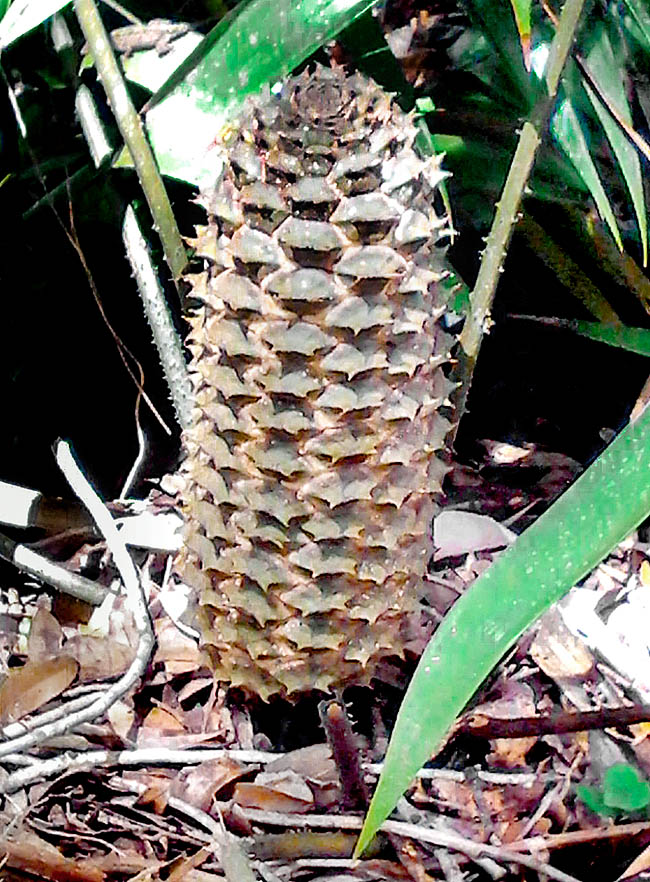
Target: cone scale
pixel 313 461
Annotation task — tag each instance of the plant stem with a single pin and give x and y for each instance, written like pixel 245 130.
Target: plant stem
pixel 131 129
pixel 478 318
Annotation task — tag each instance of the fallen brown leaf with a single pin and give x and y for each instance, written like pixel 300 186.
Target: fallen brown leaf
pixel 281 792
pixel 31 854
pixel 45 637
pixel 30 687
pixel 199 786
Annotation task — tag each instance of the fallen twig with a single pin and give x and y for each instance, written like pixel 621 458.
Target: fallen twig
pixel 135 600
pixel 555 724
pixel 52 574
pixel 13 730
pixel 581 837
pixel 42 769
pixel 473 850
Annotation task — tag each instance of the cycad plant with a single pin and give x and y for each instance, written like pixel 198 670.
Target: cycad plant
pixel 316 348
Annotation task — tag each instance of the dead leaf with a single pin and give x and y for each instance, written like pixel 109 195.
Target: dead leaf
pixel 640 864
pixel 30 687
pixel 178 653
pixel 644 573
pixel 120 716
pixel 156 794
pixel 459 532
pixel 558 652
pixel 99 657
pixel 31 854
pixel 314 763
pixel 182 866
pixel 45 637
pixel 200 785
pixel 510 753
pixel 162 721
pixel 234 860
pixel 276 792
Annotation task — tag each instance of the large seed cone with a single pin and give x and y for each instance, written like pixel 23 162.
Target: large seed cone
pixel 311 461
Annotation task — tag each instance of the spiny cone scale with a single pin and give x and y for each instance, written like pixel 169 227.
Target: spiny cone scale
pixel 312 469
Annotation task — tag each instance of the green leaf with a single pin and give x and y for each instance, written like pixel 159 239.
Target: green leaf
pixel 151 70
pixel 495 23
pixel 633 339
pixel 365 41
pixel 25 15
pixel 624 789
pixel 609 73
pixel 567 130
pixel 593 799
pixel 608 501
pixel 425 105
pixel 256 44
pixel 521 9
pixel 639 11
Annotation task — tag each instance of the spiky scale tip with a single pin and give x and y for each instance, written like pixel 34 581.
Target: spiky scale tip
pixel 311 470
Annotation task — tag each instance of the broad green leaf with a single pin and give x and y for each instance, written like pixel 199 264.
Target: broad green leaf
pixel 521 9
pixel 624 789
pixel 25 15
pixel 4 6
pixel 608 501
pixel 255 45
pixel 568 132
pixel 610 76
pixel 593 799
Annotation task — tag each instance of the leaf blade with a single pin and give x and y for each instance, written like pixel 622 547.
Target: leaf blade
pixel 635 340
pixel 608 501
pixel 567 130
pixel 25 15
pixel 602 64
pixel 521 9
pixel 261 41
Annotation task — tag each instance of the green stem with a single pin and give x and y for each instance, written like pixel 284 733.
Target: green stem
pixel 478 320
pixel 131 129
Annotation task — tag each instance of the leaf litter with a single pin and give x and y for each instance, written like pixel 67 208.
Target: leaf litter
pixel 145 790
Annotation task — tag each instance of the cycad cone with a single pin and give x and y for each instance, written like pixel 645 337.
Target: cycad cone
pixel 311 469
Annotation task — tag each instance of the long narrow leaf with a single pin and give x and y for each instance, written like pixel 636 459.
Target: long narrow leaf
pixel 258 43
pixel 605 68
pixel 25 15
pixel 495 23
pixel 567 130
pixel 608 501
pixel 620 336
pixel 633 339
pixel 521 9
pixel 639 12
